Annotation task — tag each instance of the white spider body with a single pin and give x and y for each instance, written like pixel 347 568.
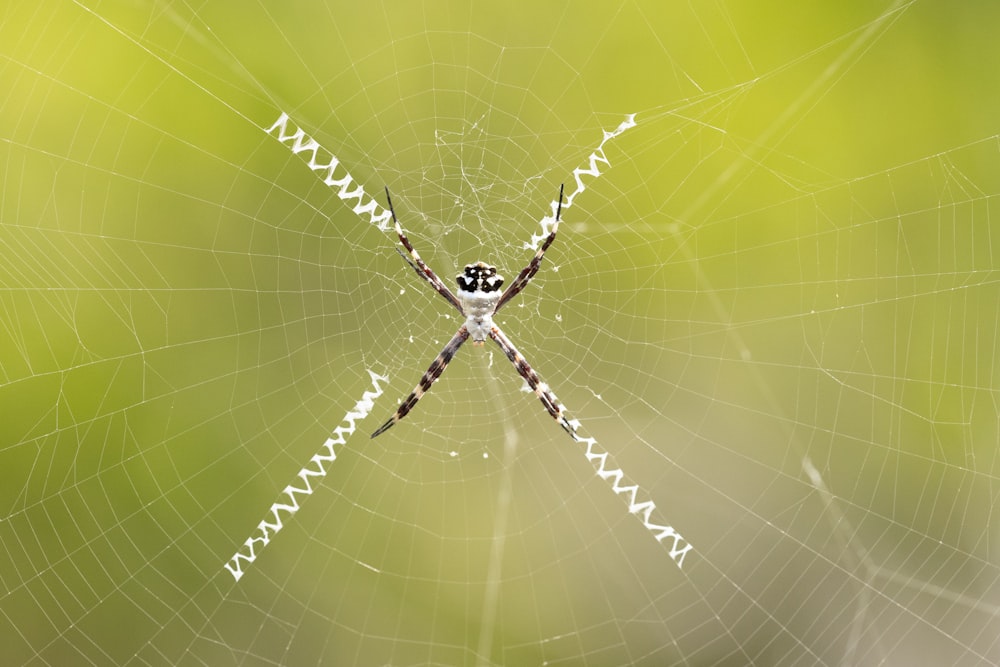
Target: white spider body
pixel 479 293
pixel 479 307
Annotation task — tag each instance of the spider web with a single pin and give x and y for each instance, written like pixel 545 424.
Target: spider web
pixel 771 305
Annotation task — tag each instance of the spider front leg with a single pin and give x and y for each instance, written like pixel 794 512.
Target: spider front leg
pixel 433 373
pixel 542 391
pixel 418 265
pixel 528 272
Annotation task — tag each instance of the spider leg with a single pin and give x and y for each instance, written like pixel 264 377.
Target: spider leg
pixel 433 373
pixel 528 272
pixel 542 391
pixel 418 265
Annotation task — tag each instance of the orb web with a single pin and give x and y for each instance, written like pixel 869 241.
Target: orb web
pixel 771 307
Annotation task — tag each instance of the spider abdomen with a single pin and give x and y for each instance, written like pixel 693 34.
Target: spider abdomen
pixel 479 307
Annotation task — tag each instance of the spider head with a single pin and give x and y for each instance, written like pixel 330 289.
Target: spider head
pixel 479 277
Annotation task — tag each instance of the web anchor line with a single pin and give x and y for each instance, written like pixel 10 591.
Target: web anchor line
pixel 268 529
pixel 322 160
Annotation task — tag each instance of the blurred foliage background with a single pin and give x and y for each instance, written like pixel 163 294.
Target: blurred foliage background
pixel 776 308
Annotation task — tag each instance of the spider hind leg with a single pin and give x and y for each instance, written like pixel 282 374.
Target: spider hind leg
pixel 426 380
pixel 541 389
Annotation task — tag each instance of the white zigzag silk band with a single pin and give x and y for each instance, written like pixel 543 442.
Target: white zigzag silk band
pixel 592 170
pixel 679 547
pixel 323 160
pixel 265 529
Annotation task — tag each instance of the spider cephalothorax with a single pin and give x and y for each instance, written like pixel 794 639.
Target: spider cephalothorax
pixel 479 298
pixel 479 277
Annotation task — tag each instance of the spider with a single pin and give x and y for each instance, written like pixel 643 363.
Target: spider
pixel 479 299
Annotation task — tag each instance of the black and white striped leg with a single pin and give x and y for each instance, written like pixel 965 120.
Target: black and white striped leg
pixel 418 264
pixel 542 391
pixel 433 373
pixel 528 272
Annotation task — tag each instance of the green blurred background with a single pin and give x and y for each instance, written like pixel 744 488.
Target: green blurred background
pixel 776 309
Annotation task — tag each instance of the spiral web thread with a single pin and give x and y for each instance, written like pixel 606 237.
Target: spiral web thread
pixel 299 142
pixel 266 530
